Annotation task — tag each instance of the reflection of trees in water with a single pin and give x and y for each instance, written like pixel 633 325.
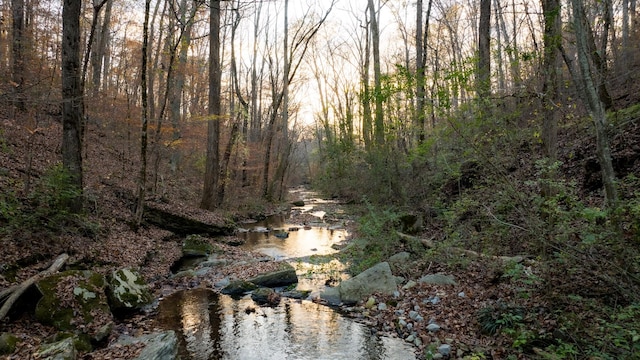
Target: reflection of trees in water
pixel 216 326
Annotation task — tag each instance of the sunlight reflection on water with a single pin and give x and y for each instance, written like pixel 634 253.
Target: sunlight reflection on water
pixel 216 326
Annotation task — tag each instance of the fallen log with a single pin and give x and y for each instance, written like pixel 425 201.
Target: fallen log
pixel 185 220
pixel 14 292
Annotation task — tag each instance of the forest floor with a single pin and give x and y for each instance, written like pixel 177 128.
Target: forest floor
pixel 28 149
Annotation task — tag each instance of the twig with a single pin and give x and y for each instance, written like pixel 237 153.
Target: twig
pixel 503 222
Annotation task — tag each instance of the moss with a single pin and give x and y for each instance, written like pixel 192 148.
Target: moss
pixel 196 245
pixel 66 313
pixel 8 343
pixel 81 342
pixel 128 290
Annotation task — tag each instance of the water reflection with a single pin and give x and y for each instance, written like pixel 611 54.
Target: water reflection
pixel 216 326
pixel 317 240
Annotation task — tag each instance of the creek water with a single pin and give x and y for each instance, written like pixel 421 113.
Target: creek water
pixel 214 326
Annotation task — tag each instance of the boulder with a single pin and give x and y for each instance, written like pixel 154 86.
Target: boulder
pixel 375 279
pixel 127 291
pixel 285 275
pixel 196 246
pixel 331 295
pixel 438 279
pixel 74 300
pixel 61 350
pixel 160 345
pixel 238 287
pixel 266 296
pixel 399 262
pixel 8 343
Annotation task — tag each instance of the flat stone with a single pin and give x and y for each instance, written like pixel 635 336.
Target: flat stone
pixel 433 327
pixel 375 279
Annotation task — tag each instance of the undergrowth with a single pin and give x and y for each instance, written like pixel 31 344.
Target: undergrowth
pixel 495 194
pixel 45 209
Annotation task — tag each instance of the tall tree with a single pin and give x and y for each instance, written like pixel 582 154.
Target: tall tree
pixel 210 198
pixel 551 71
pixel 72 99
pixel 17 60
pixel 142 179
pixel 378 124
pixel 594 104
pixel 483 85
pixel 421 57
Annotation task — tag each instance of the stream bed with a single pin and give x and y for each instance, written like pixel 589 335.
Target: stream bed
pixel 214 326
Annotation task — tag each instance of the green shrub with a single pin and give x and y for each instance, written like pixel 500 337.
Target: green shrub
pixel 46 208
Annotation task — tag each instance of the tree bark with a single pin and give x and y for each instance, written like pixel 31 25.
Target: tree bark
pixel 72 98
pixel 595 106
pixel 17 51
pixel 551 87
pixel 483 84
pixel 142 179
pixel 212 170
pixel 378 125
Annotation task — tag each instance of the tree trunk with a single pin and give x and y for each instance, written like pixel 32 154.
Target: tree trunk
pixel 142 179
pixel 212 171
pixel 17 51
pixel 378 129
pixel 72 99
pixel 483 84
pixel 595 106
pixel 104 49
pixel 551 70
pixel 365 96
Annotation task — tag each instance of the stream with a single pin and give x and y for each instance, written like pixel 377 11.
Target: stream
pixel 214 326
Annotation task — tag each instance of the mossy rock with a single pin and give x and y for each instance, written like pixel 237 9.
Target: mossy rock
pixel 285 275
pixel 239 287
pixel 61 350
pixel 127 291
pixel 74 300
pixel 81 342
pixel 196 245
pixel 8 343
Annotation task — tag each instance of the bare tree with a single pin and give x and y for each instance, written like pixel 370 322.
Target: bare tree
pixel 421 57
pixel 551 71
pixel 594 104
pixel 378 128
pixel 72 99
pixel 142 180
pixel 210 198
pixel 17 51
pixel 483 85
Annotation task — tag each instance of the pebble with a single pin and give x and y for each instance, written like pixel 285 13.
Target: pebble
pixel 399 312
pixel 402 323
pixel 410 338
pixel 382 306
pixel 461 294
pixel 413 314
pixel 409 326
pixel 444 349
pixel 433 327
pixel 396 294
pixel 409 284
